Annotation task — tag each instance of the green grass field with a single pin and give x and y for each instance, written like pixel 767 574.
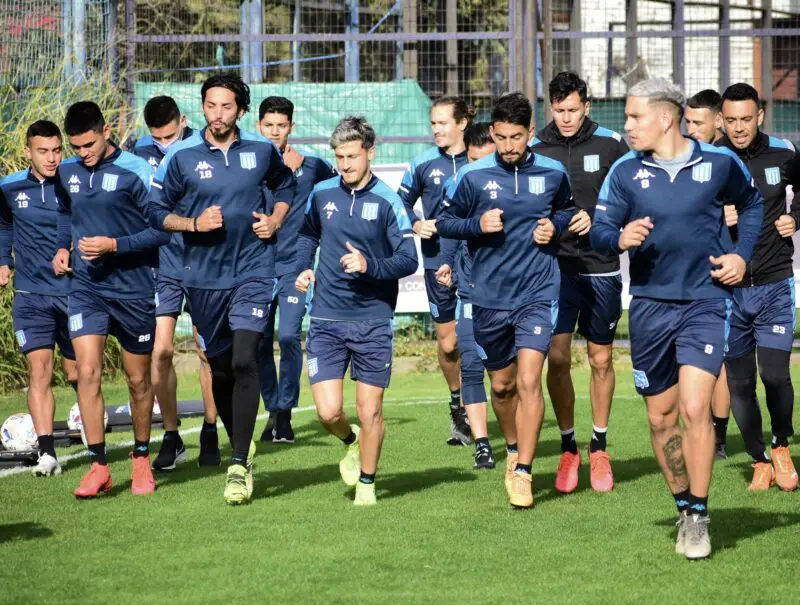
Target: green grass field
pixel 441 533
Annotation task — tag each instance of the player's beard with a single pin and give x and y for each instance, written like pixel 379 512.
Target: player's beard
pixel 224 130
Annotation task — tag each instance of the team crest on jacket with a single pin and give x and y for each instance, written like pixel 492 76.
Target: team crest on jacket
pixel 110 182
pixel 536 185
pixel 369 211
pixel 248 160
pixel 701 172
pixel 591 163
pixel 773 175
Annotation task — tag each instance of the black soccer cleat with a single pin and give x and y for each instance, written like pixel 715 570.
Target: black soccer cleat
pixel 483 457
pixel 171 453
pixel 283 432
pixel 269 431
pixel 460 431
pixel 209 449
pixel 721 452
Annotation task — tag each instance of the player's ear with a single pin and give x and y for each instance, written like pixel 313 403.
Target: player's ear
pixel 27 151
pixel 760 116
pixel 371 152
pixel 719 123
pixel 106 132
pixel 587 107
pixel 291 128
pixel 182 123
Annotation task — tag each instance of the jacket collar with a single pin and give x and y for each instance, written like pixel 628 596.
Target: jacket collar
pixel 759 145
pixel 552 135
pixel 509 167
pixel 373 180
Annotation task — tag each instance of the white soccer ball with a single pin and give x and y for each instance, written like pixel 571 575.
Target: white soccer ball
pixel 74 422
pixel 17 433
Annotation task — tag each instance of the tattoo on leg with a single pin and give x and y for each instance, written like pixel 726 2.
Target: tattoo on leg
pixel 673 455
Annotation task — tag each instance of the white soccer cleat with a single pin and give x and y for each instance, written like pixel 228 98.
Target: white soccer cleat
pixel 47 466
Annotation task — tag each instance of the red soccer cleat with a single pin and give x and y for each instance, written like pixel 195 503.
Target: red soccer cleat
pixel 142 482
pixel 600 471
pixel 97 480
pixel 567 474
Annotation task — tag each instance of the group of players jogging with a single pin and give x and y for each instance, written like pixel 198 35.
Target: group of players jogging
pixel 521 236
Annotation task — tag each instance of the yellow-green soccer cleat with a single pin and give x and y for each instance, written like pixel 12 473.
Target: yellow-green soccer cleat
pixel 236 491
pixel 251 454
pixel 365 494
pixel 350 465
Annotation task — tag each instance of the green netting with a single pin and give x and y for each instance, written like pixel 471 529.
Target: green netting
pixel 319 107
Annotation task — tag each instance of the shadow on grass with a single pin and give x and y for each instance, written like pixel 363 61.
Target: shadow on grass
pixel 729 526
pixel 23 531
pixel 399 484
pixel 279 483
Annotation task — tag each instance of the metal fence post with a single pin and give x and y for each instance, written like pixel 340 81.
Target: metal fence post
pixel 452 48
pixel 547 56
pixel 631 45
pixel 766 66
pixel 66 29
pixel 296 23
pixel 678 44
pixel 112 41
pixel 724 45
pixel 351 62
pixel 79 39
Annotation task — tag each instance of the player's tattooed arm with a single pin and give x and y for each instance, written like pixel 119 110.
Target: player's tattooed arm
pixel 673 456
pixel 173 222
pixel 209 220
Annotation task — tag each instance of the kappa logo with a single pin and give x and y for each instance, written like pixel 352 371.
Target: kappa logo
pixel 329 209
pixel 247 160
pixel 22 200
pixel 492 187
pixel 204 169
pixel 110 182
pixel 436 175
pixel 153 162
pixel 644 176
pixel 74 184
pixel 773 175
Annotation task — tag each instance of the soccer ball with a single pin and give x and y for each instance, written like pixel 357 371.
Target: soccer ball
pixel 74 422
pixel 17 433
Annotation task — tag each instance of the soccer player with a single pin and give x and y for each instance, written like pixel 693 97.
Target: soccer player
pixel 591 283
pixel 510 207
pixel 458 266
pixel 704 124
pixel 29 226
pixel 762 324
pixel 667 198
pixel 219 180
pixel 103 214
pixel 275 117
pixel 425 179
pixel 167 126
pixel 365 246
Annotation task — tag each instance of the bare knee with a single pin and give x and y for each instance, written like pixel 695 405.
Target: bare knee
pixel 559 361
pixel 163 353
pixel 88 373
pixel 329 415
pixel 601 361
pixel 40 375
pixel 661 422
pixel 448 344
pixel 696 414
pixel 529 382
pixel 370 414
pixel 503 388
pixel 138 384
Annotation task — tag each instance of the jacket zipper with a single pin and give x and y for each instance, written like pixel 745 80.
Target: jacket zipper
pixel 353 203
pixel 516 182
pixel 91 177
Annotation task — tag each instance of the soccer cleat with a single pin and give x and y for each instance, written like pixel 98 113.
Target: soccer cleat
pixel 97 480
pixel 236 491
pixel 567 473
pixel 251 455
pixel 47 466
pixel 460 431
pixel 697 541
pixel 483 457
pixel 785 473
pixel 721 451
pixel 142 482
pixel 602 478
pixel 521 495
pixel 269 431
pixel 763 477
pixel 365 494
pixel 283 432
pixel 170 454
pixel 680 539
pixel 209 449
pixel 350 465
pixel 511 464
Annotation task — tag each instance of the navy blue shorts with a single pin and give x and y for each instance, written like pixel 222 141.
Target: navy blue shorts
pixel 472 370
pixel 333 345
pixel 41 322
pixel 500 334
pixel 441 299
pixel 593 302
pixel 668 334
pixel 170 297
pixel 762 316
pixel 217 313
pixel 132 322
